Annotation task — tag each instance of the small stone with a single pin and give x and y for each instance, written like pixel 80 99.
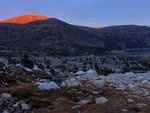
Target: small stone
pixel 6 95
pixel 15 105
pixel 76 107
pixel 5 111
pixel 124 110
pixel 12 110
pixel 131 86
pixel 148 98
pixel 90 97
pixel 130 100
pixel 80 93
pixel 71 83
pixel 120 89
pixel 25 106
pixel 141 104
pixel 146 93
pixel 99 83
pixel 101 100
pixel 82 102
pixel 138 92
pixel 125 93
pixel 95 93
pixel 144 81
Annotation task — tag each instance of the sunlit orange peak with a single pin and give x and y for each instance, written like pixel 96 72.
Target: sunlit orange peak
pixel 96 27
pixel 25 19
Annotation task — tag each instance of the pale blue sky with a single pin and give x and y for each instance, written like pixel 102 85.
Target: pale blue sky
pixel 82 12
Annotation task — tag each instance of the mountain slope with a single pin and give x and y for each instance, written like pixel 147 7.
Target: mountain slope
pixel 50 33
pixel 56 36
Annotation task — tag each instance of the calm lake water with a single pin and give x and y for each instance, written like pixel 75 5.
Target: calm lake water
pixel 138 52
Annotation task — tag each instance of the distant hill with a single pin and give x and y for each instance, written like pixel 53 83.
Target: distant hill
pixel 126 37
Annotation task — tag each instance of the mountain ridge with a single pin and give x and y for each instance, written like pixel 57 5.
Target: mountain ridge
pixel 55 34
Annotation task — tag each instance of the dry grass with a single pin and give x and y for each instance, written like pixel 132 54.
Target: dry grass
pixel 23 91
pixel 41 75
pixel 61 101
pixel 40 98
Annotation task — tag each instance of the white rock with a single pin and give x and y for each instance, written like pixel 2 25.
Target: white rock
pixel 15 105
pixel 35 67
pixel 130 100
pixel 130 75
pixel 124 110
pixel 101 100
pixel 95 92
pixel 148 98
pixel 125 93
pixel 144 81
pixel 25 106
pixel 146 93
pixel 76 107
pixel 131 86
pixel 80 73
pixel 141 104
pixel 48 86
pixel 121 87
pixel 82 102
pixel 6 95
pixel 138 92
pixel 91 72
pixel 99 83
pixel 19 65
pixel 5 111
pixel 71 83
pixel 28 70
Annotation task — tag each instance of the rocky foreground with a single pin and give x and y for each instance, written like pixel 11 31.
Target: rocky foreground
pixel 83 92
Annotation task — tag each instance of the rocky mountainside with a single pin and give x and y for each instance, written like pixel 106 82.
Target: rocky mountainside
pixel 54 35
pixel 50 33
pixel 43 85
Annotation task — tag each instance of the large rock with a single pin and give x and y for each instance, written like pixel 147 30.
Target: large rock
pixel 48 86
pixel 91 72
pixel 71 83
pixel 130 75
pixel 101 100
pixel 6 95
pixel 89 75
pixel 80 73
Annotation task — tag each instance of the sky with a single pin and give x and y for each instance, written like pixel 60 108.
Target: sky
pixel 81 12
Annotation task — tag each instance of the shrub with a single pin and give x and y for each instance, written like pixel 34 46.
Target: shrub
pixel 27 62
pixel 10 80
pixel 69 94
pixel 23 91
pixel 41 75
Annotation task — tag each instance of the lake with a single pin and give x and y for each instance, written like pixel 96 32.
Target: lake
pixel 138 52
